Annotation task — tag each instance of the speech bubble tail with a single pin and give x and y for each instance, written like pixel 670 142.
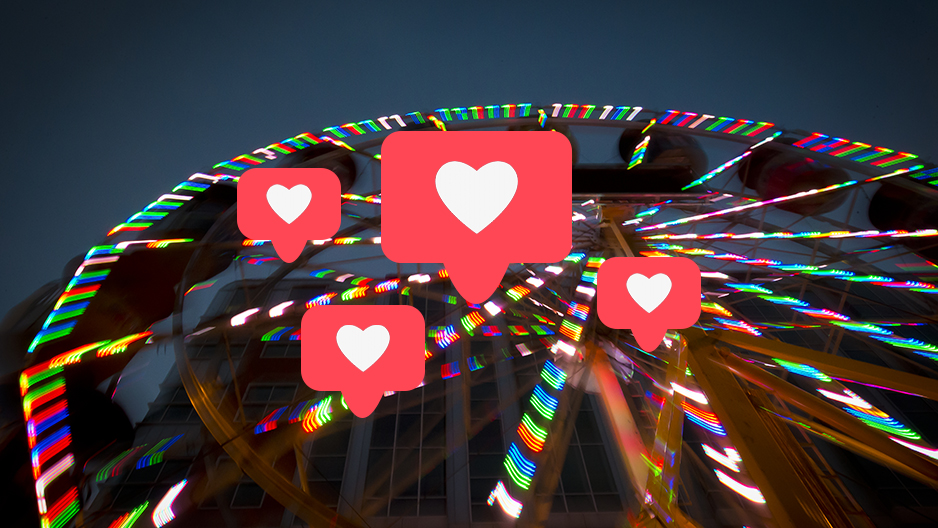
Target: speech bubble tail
pixel 648 339
pixel 362 402
pixel 475 281
pixel 288 250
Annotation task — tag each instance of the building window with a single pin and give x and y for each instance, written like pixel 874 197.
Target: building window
pixel 586 481
pixel 260 399
pixel 290 349
pixel 248 495
pixel 408 440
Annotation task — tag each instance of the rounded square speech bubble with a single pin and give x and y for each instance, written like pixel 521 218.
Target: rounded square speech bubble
pixel 362 351
pixel 648 295
pixel 476 201
pixel 289 207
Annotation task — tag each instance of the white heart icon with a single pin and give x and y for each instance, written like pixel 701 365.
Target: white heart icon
pixel 363 347
pixel 476 197
pixel 649 293
pixel 289 204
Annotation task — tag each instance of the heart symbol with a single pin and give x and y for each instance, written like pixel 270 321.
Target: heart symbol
pixel 476 197
pixel 289 204
pixel 649 293
pixel 363 347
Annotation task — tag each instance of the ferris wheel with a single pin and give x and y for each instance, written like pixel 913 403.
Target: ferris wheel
pixel 816 341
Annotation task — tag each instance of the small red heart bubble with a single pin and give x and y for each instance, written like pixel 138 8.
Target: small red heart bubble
pixel 362 351
pixel 289 207
pixel 460 197
pixel 649 296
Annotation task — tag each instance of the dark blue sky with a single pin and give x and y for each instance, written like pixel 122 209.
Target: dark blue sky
pixel 107 105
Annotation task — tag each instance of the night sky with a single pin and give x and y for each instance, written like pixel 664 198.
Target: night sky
pixel 107 105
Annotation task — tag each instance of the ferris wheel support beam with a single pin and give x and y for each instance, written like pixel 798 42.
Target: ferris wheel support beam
pixel 836 366
pixel 789 499
pixel 669 438
pixel 910 463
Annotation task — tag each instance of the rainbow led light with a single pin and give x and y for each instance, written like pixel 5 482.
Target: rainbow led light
pixel 318 415
pixel 803 370
pixel 520 469
pixel 544 403
pixel 553 376
pixel 128 519
pixel 730 459
pixel 532 435
pixel 163 513
pixel 321 300
pixel 117 464
pixel 508 504
pixel 751 493
pixel 772 201
pixel 155 454
pixel 717 171
pixel 696 396
pixel 705 419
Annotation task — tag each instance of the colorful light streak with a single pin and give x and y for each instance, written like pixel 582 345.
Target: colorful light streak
pixel 896 233
pixel 128 519
pixel 318 415
pixel 520 469
pixel 517 293
pixel 508 504
pixel 931 453
pixel 354 293
pixel 571 330
pixel 730 460
pixel 242 317
pixel 696 396
pixel 279 310
pixel 754 205
pixel 155 454
pixel 803 370
pixel 445 336
pixel 114 467
pixel 120 345
pixel 717 171
pixel 846 399
pixel 64 464
pixel 544 403
pixel 450 370
pixel 748 492
pixel 163 513
pixel 532 435
pixel 472 321
pixel 321 300
pixel 62 511
pixel 553 376
pixel 705 419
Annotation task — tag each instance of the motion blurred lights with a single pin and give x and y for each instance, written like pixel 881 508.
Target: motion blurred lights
pixel 751 493
pixel 754 205
pixel 278 310
pixel 932 453
pixel 553 375
pixel 163 513
pixel 128 519
pixel 63 465
pixel 532 435
pixel 520 469
pixel 242 317
pixel 849 400
pixel 730 460
pixel 318 415
pixel 691 394
pixel 543 403
pixel 508 504
pixel 705 419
